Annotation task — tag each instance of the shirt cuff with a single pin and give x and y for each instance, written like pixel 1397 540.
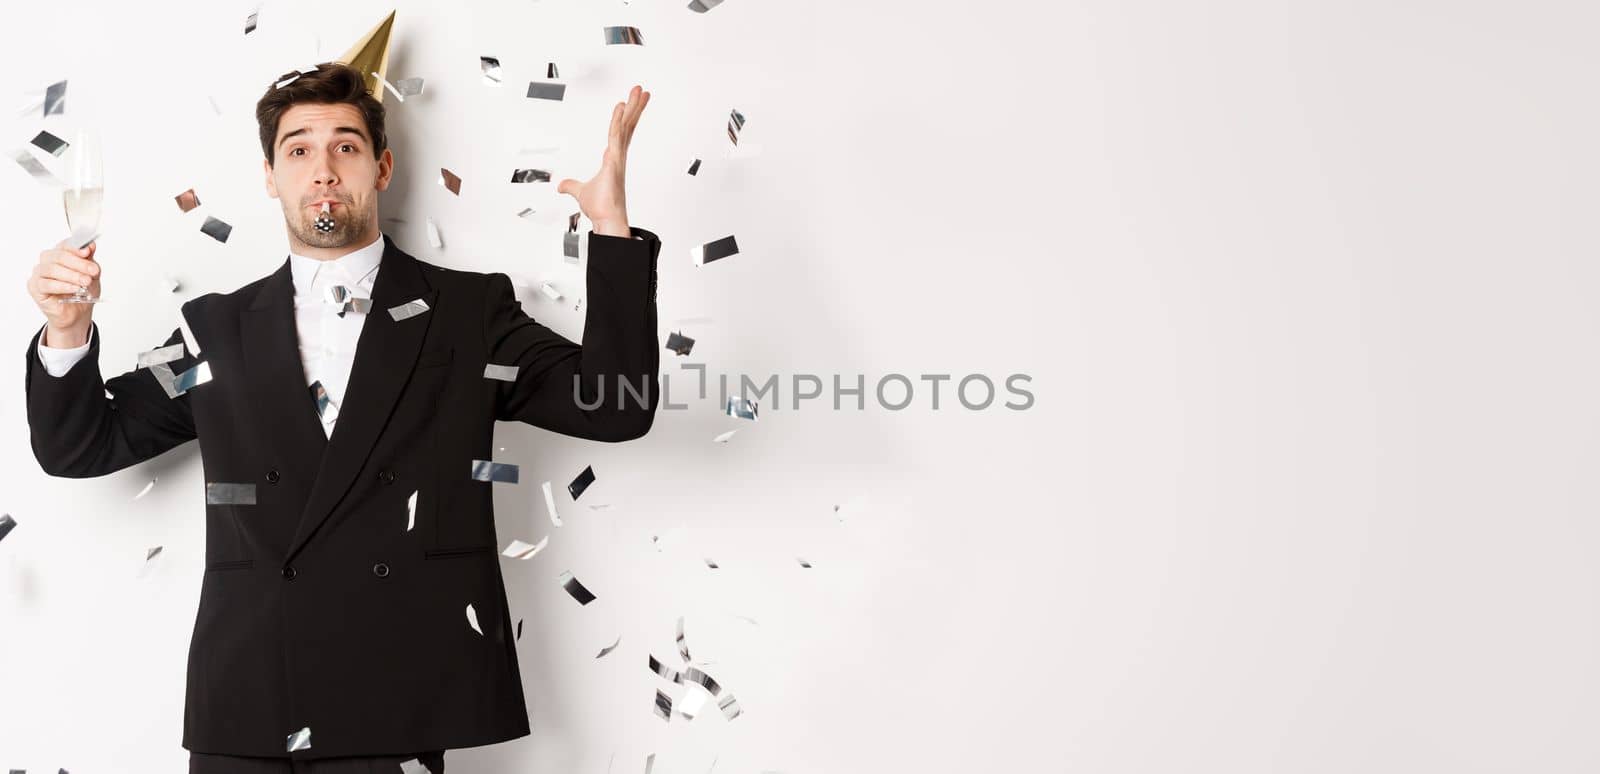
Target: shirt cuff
pixel 59 360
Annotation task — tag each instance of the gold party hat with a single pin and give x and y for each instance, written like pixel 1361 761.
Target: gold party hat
pixel 370 56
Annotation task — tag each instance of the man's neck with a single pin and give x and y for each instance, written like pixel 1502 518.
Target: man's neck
pixel 332 253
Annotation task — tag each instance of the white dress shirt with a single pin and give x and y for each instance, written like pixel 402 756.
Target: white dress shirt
pixel 327 341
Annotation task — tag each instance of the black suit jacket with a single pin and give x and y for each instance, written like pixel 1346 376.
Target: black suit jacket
pixel 318 608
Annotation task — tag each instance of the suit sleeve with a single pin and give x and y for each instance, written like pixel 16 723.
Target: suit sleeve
pixel 81 426
pixel 616 367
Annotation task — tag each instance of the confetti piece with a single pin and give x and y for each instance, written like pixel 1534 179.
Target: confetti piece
pixel 230 494
pixel 433 234
pixel 743 408
pixel 151 553
pixel 216 229
pixel 327 410
pixel 187 200
pixel 730 707
pixel 723 437
pixel 408 310
pixel 550 72
pixel 165 354
pixel 679 343
pixel 472 619
pixel 484 470
pixel 663 705
pixel 575 588
pixel 683 647
pixel 55 98
pixel 146 489
pixel 526 211
pixel 550 291
pixel 49 143
pixel 623 36
pixel 582 482
pixel 551 91
pixel 188 380
pixel 411 511
pixel 694 167
pixel 735 125
pixel 504 373
pixel 450 181
pixel 250 21
pixel 300 740
pixel 711 564
pixel 530 176
pixel 6 525
pixel 525 551
pixel 715 250
pixel 701 6
pixel 550 503
pixel 803 562
pixel 609 648
pixel 491 70
pixel 32 166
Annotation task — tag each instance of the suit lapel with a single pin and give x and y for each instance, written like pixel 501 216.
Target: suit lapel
pixel 385 355
pixel 275 376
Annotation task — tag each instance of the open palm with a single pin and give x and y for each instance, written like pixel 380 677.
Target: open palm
pixel 602 198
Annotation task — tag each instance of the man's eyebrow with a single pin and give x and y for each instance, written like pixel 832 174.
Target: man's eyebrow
pixel 341 130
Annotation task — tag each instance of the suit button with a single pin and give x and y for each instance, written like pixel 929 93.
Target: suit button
pixel 272 476
pixel 386 476
pixel 288 573
pixel 381 570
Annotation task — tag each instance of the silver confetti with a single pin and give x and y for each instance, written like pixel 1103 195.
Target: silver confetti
pixel 694 167
pixel 609 648
pixel 408 87
pixel 530 176
pixel 550 503
pixel 549 291
pixel 408 310
pixel 146 490
pixel 743 408
pixel 723 437
pixel 666 672
pixel 575 588
pixel 569 246
pixel 166 378
pixel 250 22
pixel 300 740
pixel 326 409
pixel 491 70
pixel 711 563
pixel 697 677
pixel 49 143
pixel 151 553
pixel 188 380
pixel 715 250
pixel 55 98
pixel 735 124
pixel 230 494
pixel 413 766
pixel 165 354
pixel 32 166
pixel 729 706
pixel 526 211
pixel 216 229
pixel 803 562
pixel 683 647
pixel 411 511
pixel 551 91
pixel 472 619
pixel 6 525
pixel 550 72
pixel 649 763
pixel 187 200
pixel 450 181
pixel 623 36
pixel 679 343
pixel 433 234
pixel 525 551
pixel 484 470
pixel 701 6
pixel 663 705
pixel 504 373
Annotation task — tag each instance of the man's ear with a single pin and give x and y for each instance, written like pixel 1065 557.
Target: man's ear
pixel 272 186
pixel 385 170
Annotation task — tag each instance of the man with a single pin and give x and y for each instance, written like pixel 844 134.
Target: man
pixel 333 633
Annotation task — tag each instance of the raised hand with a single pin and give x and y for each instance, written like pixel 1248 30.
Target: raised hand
pixel 602 197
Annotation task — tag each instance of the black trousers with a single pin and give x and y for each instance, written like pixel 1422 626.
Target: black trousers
pixel 208 763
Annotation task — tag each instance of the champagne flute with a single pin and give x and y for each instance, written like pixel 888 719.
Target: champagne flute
pixel 85 188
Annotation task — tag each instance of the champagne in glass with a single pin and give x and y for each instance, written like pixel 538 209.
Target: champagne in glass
pixel 85 188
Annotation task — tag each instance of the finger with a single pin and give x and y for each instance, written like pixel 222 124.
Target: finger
pixel 54 287
pixel 614 134
pixel 570 186
pixel 74 263
pixel 65 274
pixel 627 138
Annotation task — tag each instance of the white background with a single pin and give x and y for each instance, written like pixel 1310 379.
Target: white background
pixel 1303 289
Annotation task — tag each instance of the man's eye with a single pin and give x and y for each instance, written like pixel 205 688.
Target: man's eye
pixel 295 150
pixel 347 145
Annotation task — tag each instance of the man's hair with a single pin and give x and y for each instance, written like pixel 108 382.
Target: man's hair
pixel 333 83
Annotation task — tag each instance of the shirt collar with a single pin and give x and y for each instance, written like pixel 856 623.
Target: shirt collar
pixel 349 269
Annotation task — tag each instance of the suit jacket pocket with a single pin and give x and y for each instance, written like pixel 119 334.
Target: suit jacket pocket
pixel 238 564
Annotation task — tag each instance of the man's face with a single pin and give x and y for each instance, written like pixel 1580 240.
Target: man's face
pixel 322 153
